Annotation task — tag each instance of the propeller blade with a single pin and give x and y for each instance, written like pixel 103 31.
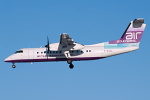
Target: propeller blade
pixel 47 47
pixel 48 44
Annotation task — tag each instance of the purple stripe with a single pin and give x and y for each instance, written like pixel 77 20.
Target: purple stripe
pixel 53 59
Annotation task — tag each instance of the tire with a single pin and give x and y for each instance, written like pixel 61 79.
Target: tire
pixel 71 66
pixel 13 66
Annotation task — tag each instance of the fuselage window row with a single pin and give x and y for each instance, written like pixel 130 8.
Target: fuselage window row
pixel 56 52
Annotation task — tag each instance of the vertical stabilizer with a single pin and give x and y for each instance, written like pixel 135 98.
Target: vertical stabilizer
pixel 133 33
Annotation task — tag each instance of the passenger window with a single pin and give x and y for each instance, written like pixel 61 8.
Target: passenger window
pixel 89 50
pixel 56 51
pixel 59 51
pixel 41 52
pixel 37 52
pixel 86 50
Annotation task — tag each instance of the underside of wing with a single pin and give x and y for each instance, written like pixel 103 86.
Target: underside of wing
pixel 66 40
pixel 67 43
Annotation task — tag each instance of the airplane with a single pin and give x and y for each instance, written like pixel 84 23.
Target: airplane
pixel 68 50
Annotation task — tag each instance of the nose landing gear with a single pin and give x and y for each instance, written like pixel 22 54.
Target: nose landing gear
pixel 13 66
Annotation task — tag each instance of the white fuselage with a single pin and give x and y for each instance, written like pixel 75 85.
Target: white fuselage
pixel 89 52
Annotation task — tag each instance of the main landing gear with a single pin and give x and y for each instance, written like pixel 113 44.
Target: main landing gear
pixel 13 66
pixel 71 66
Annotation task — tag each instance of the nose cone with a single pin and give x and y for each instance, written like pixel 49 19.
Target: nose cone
pixel 7 59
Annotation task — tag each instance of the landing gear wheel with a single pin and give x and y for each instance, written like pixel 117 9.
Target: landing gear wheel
pixel 71 66
pixel 13 66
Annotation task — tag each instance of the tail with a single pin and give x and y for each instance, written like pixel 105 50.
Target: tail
pixel 133 33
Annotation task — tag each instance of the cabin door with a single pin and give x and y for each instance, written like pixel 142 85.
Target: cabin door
pixel 30 53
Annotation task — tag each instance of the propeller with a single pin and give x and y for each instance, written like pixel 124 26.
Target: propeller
pixel 47 47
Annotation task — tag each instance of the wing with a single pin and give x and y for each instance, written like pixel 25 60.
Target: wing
pixel 66 43
pixel 66 40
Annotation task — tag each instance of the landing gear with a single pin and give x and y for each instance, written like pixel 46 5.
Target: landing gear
pixel 13 66
pixel 71 66
pixel 70 62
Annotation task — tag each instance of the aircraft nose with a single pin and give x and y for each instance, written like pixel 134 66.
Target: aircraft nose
pixel 6 60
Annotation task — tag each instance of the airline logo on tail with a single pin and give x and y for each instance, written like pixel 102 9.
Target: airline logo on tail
pixel 133 33
pixel 131 37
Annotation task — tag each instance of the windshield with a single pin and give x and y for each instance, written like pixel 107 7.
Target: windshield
pixel 19 51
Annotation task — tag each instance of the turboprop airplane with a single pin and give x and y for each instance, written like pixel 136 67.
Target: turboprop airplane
pixel 68 50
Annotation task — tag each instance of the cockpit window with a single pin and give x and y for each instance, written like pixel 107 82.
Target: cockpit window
pixel 19 51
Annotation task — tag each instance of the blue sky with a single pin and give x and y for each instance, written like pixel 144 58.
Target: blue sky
pixel 26 24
